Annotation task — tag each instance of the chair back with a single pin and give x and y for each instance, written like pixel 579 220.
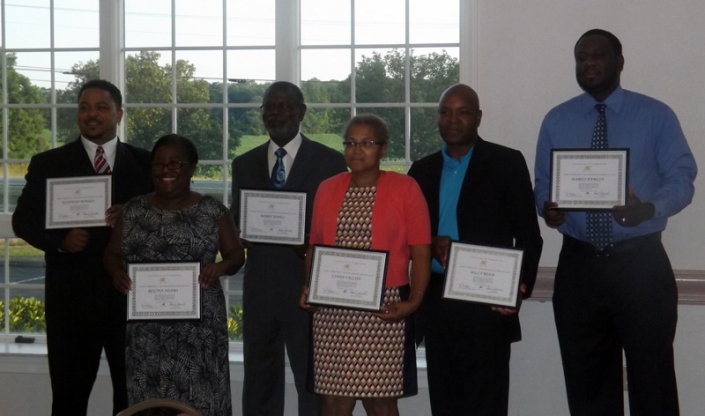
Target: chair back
pixel 155 404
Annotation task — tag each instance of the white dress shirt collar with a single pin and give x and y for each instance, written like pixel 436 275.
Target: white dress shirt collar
pixel 292 148
pixel 109 149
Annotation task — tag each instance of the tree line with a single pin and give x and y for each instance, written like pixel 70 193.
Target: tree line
pixel 379 78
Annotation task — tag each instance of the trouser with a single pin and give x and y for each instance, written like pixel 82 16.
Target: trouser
pixel 264 343
pixel 621 300
pixel 74 349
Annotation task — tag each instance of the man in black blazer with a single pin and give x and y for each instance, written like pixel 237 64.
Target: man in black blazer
pixel 274 273
pixel 480 193
pixel 84 313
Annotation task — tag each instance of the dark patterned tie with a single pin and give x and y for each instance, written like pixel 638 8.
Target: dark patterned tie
pixel 99 162
pixel 278 174
pixel 599 224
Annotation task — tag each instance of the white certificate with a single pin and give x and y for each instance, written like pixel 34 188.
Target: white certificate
pixel 274 217
pixel 589 179
pixel 347 278
pixel 164 291
pixel 78 202
pixel 482 274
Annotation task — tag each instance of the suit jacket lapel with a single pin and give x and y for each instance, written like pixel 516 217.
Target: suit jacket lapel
pixel 303 165
pixel 434 172
pixel 475 168
pixel 260 172
pixel 78 159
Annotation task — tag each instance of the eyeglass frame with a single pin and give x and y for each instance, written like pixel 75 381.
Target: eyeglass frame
pixel 171 165
pixel 364 144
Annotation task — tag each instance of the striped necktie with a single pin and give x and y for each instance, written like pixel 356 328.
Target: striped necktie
pixel 599 224
pixel 100 163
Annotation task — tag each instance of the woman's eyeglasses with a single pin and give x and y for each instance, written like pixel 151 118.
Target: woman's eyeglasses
pixel 173 165
pixel 365 144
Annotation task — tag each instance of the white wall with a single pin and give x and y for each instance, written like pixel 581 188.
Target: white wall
pixel 526 67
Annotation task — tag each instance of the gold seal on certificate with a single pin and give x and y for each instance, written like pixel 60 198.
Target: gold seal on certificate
pixel 78 201
pixel 274 217
pixel 347 278
pixel 164 291
pixel 584 179
pixel 481 274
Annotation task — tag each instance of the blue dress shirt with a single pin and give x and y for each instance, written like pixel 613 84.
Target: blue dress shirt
pixel 661 166
pixel 451 181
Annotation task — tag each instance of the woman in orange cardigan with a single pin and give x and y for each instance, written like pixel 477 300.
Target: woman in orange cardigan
pixel 363 355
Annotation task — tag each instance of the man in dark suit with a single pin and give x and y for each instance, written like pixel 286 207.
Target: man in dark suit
pixel 84 313
pixel 274 273
pixel 480 193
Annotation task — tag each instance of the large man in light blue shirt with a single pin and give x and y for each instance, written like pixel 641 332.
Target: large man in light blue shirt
pixel 621 296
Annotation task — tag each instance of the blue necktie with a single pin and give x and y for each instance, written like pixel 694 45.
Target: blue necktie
pixel 599 224
pixel 278 174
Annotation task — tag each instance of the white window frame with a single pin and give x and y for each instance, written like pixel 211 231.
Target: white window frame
pixel 288 67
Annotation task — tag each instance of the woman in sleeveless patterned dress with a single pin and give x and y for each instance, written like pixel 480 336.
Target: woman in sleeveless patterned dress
pixel 356 354
pixel 181 360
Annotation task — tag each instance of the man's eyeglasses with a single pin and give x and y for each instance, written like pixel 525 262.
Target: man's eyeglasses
pixel 173 165
pixel 365 144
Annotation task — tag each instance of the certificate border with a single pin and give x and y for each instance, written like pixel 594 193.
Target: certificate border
pixel 588 205
pixel 320 250
pixel 245 193
pixel 450 275
pixel 192 315
pixel 50 182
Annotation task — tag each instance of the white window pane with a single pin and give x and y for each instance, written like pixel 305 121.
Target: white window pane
pixel 370 87
pixel 28 24
pixel 379 22
pixel 147 23
pixel 67 128
pixel 199 23
pixel 251 65
pixel 432 71
pixel 204 127
pixel 325 125
pixel 145 125
pixel 325 22
pixel 424 132
pixel 76 24
pixel 195 72
pixel 27 132
pixel 434 21
pixel 72 69
pixel 330 69
pixel 149 77
pixel 33 68
pixel 250 23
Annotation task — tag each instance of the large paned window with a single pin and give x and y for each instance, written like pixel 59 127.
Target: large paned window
pixel 44 43
pixel 200 69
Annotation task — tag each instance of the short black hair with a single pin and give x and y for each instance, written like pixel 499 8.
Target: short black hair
pixel 179 141
pixel 105 86
pixel 612 39
pixel 373 121
pixel 286 87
